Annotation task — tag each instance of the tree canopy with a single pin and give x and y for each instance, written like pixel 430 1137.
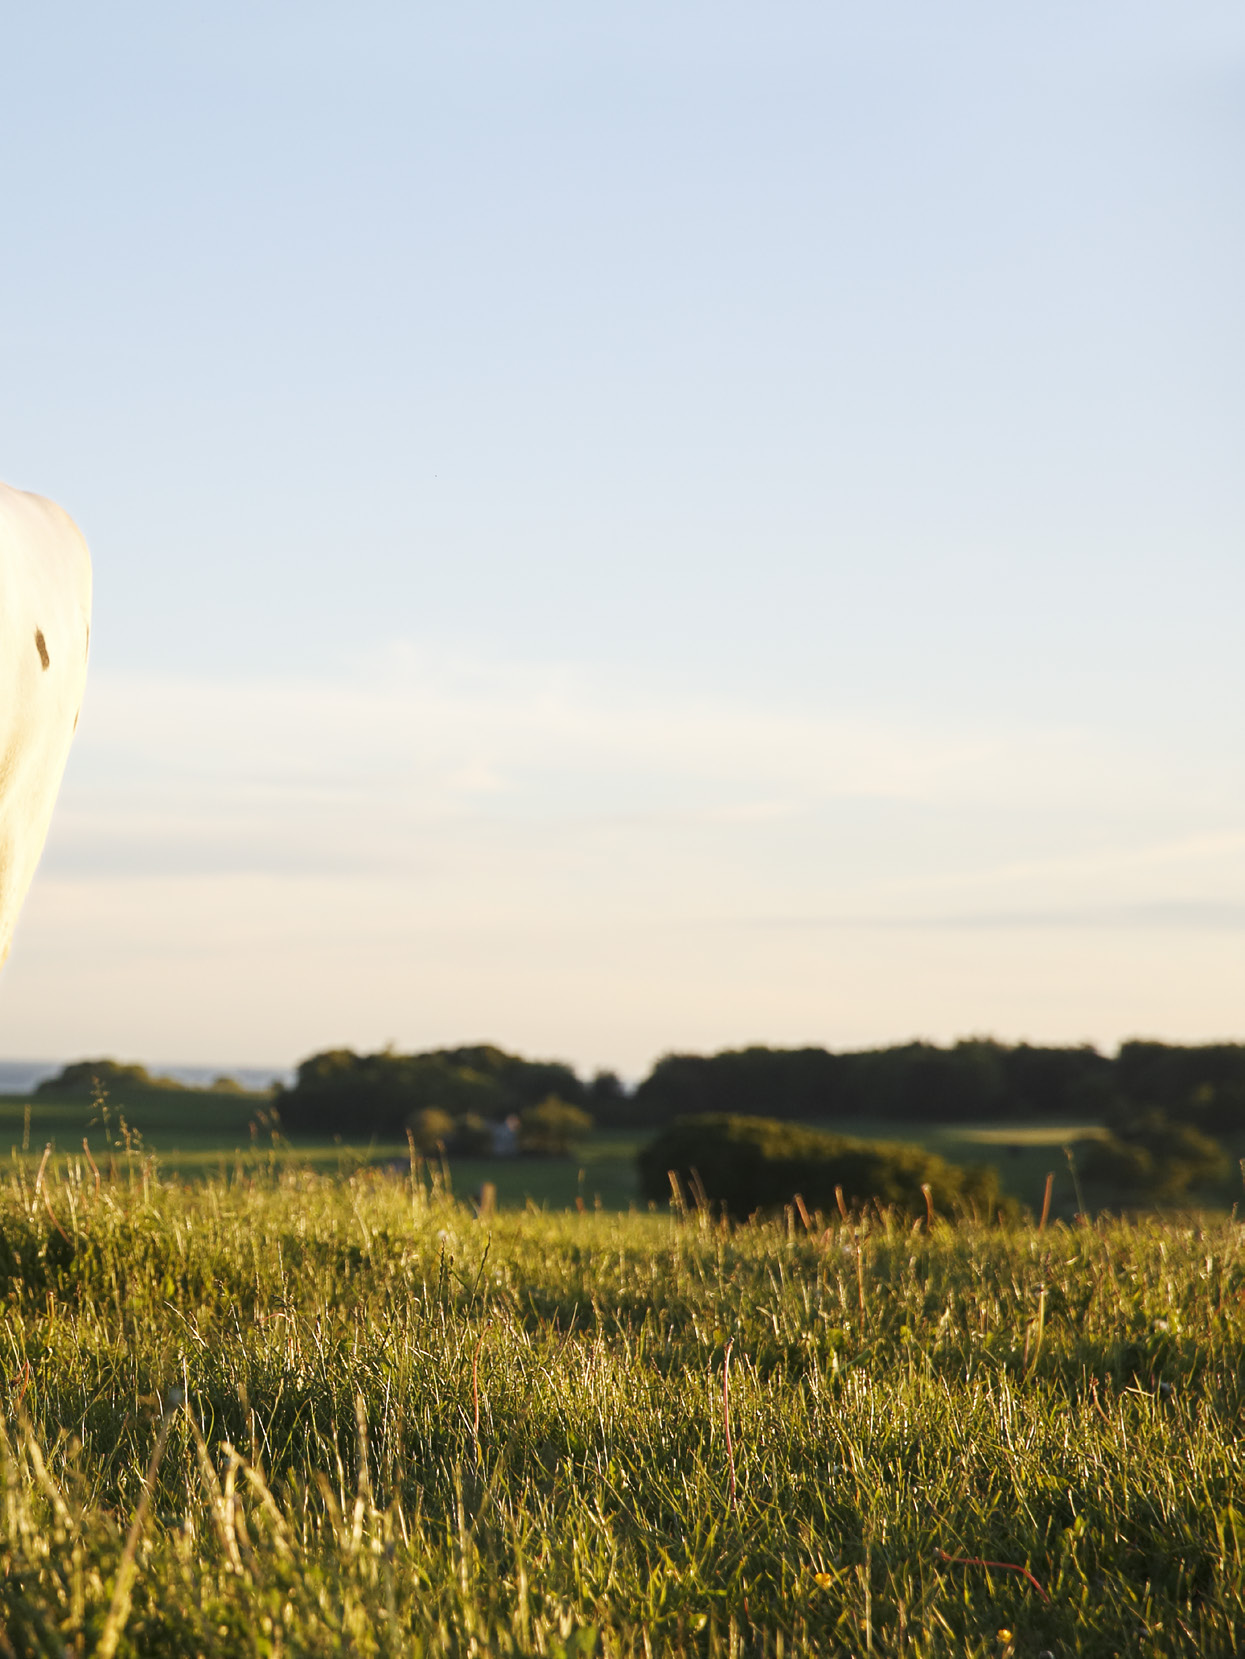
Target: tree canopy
pixel 364 1095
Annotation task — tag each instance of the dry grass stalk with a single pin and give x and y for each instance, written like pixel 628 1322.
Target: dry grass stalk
pixel 726 1420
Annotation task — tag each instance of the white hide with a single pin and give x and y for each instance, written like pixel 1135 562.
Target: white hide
pixel 45 615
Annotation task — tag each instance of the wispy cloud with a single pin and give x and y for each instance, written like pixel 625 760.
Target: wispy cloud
pixel 437 849
pixel 1180 915
pixel 352 774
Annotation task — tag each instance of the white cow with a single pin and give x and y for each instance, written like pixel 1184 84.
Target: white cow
pixel 45 629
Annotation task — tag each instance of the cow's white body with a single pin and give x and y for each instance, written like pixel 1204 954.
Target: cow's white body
pixel 45 625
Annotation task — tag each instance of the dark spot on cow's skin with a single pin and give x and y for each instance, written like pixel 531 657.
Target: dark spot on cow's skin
pixel 41 646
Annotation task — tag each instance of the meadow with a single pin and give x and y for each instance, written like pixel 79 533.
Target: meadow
pixel 201 1133
pixel 275 1411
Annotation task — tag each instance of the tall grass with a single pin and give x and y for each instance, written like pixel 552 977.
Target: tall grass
pixel 283 1414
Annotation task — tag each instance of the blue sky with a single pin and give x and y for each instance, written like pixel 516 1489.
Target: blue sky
pixel 631 527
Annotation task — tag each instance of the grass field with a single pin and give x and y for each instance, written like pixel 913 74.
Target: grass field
pixel 293 1414
pixel 201 1133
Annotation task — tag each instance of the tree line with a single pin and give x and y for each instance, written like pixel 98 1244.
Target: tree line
pixel 977 1080
pixel 381 1095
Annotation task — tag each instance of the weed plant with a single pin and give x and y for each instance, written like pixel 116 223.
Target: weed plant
pixel 282 1414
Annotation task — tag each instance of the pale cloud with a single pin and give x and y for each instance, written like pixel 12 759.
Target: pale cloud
pixel 1204 875
pixel 439 732
pixel 229 970
pixel 436 850
pixel 283 768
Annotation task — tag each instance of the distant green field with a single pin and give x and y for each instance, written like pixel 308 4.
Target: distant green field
pixel 200 1133
pixel 197 1133
pixel 185 1118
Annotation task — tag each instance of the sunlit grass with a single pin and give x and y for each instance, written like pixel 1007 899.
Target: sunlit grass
pixel 392 1427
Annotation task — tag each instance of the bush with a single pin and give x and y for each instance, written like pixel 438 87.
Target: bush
pixel 473 1136
pixel 549 1129
pixel 1149 1154
pixel 430 1129
pixel 1121 1164
pixel 748 1164
pixel 85 1076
